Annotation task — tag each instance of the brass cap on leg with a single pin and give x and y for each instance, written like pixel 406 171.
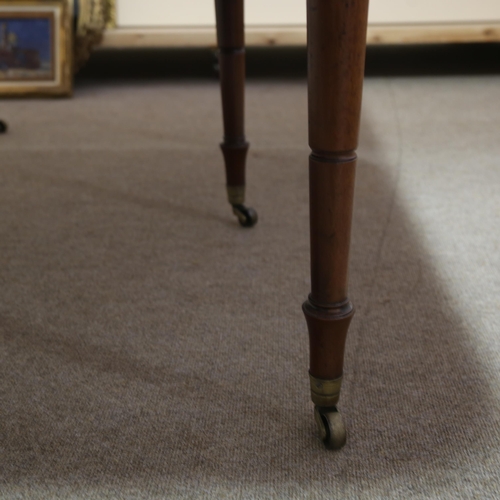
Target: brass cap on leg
pixel 325 393
pixel 236 195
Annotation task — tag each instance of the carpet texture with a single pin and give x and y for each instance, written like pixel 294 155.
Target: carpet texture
pixel 151 348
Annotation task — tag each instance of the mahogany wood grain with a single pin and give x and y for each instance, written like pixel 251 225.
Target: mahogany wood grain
pixel 230 41
pixel 336 57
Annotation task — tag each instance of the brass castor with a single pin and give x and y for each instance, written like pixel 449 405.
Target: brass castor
pixel 247 216
pixel 331 427
pixel 3 127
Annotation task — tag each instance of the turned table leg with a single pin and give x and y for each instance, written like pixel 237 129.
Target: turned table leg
pixel 231 44
pixel 336 56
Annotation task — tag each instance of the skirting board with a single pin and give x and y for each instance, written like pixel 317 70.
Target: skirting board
pixel 296 35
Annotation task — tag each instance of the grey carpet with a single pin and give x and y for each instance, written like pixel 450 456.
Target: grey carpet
pixel 151 348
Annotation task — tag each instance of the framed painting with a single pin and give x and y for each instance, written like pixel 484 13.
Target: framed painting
pixel 36 47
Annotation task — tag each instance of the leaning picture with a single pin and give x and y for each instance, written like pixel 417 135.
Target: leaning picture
pixel 35 47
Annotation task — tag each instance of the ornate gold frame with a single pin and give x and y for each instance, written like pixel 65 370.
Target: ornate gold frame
pixel 94 16
pixel 62 84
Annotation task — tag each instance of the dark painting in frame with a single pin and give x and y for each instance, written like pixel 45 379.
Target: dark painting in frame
pixel 35 47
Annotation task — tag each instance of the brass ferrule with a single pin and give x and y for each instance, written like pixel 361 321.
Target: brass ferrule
pixel 236 195
pixel 325 393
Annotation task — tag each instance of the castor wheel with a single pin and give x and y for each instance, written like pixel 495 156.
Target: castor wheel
pixel 3 127
pixel 331 427
pixel 247 216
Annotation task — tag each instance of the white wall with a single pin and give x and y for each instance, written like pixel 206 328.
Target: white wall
pixel 143 13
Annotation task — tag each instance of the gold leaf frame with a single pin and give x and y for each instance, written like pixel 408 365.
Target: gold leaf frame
pixel 94 16
pixel 61 14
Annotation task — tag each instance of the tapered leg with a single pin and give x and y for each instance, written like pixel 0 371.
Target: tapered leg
pixel 231 43
pixel 336 55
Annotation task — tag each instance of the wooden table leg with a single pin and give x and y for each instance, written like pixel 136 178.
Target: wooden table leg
pixel 231 43
pixel 336 55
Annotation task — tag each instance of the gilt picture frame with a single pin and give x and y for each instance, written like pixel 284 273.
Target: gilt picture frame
pixel 36 47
